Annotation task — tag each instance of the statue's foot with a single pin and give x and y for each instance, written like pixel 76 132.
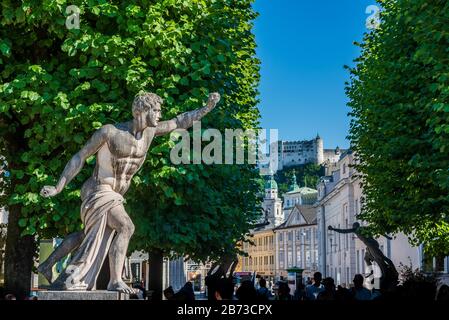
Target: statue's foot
pixel 45 271
pixel 120 286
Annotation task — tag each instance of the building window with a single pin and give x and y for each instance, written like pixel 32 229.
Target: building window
pixel 290 259
pixel 347 235
pixel 362 259
pixel 308 235
pixel 290 236
pixel 348 280
pixel 357 266
pixel 281 259
pixel 281 237
pixel 339 239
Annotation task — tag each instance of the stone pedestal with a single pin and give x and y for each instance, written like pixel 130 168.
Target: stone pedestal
pixel 82 295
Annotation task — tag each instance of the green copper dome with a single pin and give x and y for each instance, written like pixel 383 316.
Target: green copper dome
pixel 271 183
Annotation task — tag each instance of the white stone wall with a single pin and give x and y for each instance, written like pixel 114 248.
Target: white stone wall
pixel 331 156
pixel 340 248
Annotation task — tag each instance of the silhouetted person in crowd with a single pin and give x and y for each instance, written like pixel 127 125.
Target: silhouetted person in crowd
pixel 284 292
pixel 329 293
pixel 443 294
pixel 343 294
pixel 224 289
pixel 141 292
pixel 186 293
pixel 263 294
pixel 169 293
pixel 313 290
pixel 246 291
pixel 300 292
pixel 359 292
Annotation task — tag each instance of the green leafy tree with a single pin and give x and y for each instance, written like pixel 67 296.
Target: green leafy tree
pixel 399 95
pixel 58 85
pixel 306 175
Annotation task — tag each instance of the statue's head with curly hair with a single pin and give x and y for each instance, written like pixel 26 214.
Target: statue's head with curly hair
pixel 147 107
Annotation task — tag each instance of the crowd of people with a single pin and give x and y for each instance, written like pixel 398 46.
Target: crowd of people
pixel 315 289
pixel 248 291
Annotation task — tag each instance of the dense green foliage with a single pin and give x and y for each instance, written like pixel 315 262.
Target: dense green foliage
pixel 58 85
pixel 399 95
pixel 306 175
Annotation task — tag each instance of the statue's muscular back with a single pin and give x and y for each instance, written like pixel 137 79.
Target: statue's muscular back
pixel 119 158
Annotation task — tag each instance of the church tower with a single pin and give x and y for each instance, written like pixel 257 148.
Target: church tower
pixel 272 204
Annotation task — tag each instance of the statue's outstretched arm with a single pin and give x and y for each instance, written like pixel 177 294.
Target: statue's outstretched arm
pixel 75 165
pixel 352 230
pixel 185 120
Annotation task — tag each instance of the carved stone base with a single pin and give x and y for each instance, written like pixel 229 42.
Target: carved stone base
pixel 82 295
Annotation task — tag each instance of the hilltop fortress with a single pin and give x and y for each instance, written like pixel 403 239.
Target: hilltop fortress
pixel 293 153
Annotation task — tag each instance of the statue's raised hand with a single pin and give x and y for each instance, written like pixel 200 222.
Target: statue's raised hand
pixel 49 191
pixel 214 98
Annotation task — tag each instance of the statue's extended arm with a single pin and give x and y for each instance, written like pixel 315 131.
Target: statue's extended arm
pixel 352 230
pixel 75 165
pixel 185 120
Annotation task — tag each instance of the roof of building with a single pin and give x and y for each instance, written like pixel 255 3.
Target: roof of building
pixel 304 191
pixel 300 215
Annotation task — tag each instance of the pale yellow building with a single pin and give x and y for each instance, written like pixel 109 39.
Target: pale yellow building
pixel 261 254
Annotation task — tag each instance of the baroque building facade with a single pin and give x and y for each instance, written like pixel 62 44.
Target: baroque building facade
pixel 340 201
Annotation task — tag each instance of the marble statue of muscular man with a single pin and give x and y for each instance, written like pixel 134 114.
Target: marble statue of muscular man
pixel 120 152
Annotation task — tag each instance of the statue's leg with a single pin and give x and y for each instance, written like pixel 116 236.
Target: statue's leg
pixel 70 243
pixel 368 260
pixel 119 221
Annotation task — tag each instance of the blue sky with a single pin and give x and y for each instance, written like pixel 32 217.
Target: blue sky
pixel 303 45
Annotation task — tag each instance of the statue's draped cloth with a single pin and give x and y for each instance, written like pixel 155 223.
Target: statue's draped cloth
pixel 84 267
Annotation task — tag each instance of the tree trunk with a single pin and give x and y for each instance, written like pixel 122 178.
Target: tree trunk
pixel 156 261
pixel 18 257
